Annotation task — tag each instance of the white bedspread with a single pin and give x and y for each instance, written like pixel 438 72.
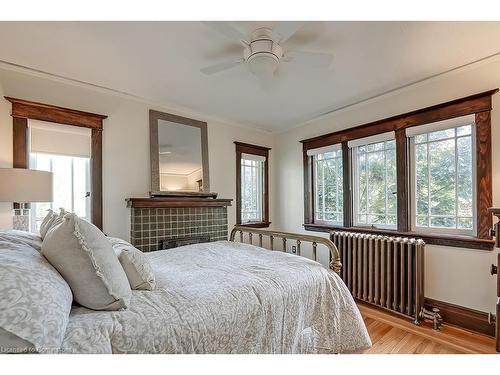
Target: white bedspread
pixel 225 297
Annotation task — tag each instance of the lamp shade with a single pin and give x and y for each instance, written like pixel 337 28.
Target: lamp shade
pixel 25 185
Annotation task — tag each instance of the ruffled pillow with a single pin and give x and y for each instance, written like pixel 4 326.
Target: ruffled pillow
pixel 84 257
pixel 47 222
pixel 135 264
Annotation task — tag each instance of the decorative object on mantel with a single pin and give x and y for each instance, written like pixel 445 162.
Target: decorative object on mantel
pixel 164 222
pixel 22 186
pixel 182 194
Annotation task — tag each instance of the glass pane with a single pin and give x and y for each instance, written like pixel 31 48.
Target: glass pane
pixel 80 173
pixel 442 134
pixel 443 222
pixel 61 166
pixel 422 188
pixel 329 187
pixel 422 221
pixel 465 223
pixel 391 191
pixel 442 177
pixel 464 176
pixel 70 185
pixel 421 138
pixel 43 162
pixel 251 190
pixel 376 184
pixel 464 130
pixel 362 182
pixel 375 147
pixel 319 198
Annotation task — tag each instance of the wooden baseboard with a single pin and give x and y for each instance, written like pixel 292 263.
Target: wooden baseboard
pixel 463 317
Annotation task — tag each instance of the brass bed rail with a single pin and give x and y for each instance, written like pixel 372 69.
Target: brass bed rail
pixel 334 256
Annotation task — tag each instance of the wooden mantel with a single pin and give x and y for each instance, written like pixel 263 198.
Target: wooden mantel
pixel 176 202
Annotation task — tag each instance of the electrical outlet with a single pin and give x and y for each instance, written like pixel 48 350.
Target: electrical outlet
pixel 294 249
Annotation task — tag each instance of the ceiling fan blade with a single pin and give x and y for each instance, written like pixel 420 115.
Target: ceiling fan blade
pixel 315 59
pixel 284 30
pixel 220 67
pixel 227 29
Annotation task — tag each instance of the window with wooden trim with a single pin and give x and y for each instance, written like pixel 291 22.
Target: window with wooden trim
pixel 328 184
pixel 442 176
pixel 423 174
pixel 24 111
pixel 252 186
pixel 374 181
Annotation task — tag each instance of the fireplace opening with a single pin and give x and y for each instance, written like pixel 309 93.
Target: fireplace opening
pixel 171 243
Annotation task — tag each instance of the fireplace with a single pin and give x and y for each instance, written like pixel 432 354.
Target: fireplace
pixel 159 223
pixel 171 243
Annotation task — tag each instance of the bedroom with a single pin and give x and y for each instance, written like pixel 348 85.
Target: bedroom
pixel 365 146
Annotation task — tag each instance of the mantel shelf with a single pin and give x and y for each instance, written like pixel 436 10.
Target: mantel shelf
pixel 176 202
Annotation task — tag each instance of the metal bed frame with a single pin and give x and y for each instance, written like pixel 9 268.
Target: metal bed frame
pixel 334 257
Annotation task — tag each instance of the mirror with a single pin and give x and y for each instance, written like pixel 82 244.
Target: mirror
pixel 179 154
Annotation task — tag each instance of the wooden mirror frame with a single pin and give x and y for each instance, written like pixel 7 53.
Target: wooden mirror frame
pixel 154 116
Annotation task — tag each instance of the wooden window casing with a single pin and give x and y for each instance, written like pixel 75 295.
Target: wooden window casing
pixel 24 110
pixel 245 148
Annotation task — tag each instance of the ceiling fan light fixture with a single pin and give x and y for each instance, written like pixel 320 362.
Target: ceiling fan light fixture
pixel 263 64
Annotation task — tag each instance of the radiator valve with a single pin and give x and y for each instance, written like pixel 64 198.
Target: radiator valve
pixel 433 315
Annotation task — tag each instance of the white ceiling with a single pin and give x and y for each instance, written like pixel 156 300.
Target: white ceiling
pixel 160 61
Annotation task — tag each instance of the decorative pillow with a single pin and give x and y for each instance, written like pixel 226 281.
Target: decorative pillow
pixel 135 264
pixel 35 301
pixel 47 222
pixel 84 257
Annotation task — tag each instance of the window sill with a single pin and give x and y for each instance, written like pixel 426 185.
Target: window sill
pixel 431 239
pixel 263 224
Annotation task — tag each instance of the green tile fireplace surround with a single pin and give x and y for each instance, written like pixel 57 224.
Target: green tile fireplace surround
pixel 154 221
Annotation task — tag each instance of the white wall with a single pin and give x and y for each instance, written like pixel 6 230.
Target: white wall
pixel 454 275
pixel 126 162
pixel 5 155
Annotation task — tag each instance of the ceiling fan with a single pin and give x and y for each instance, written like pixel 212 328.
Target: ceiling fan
pixel 263 51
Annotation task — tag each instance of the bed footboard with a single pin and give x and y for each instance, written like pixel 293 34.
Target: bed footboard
pixel 275 237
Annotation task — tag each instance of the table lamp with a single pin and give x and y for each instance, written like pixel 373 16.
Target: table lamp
pixel 23 186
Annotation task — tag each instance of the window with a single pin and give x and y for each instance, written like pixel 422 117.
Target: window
pixel 71 185
pixel 425 174
pixel 64 151
pixel 328 185
pixel 374 161
pixel 24 112
pixel 252 185
pixel 443 176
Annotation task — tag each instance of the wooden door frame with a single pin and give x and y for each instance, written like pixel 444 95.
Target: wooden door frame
pixel 24 110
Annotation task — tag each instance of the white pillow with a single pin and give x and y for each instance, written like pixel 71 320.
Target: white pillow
pixel 35 301
pixel 84 257
pixel 47 222
pixel 135 264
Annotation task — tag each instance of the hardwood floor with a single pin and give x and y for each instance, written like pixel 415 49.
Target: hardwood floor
pixel 393 335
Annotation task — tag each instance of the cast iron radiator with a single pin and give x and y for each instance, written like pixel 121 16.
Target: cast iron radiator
pixel 387 272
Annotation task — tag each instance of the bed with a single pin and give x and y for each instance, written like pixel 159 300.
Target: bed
pixel 223 297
